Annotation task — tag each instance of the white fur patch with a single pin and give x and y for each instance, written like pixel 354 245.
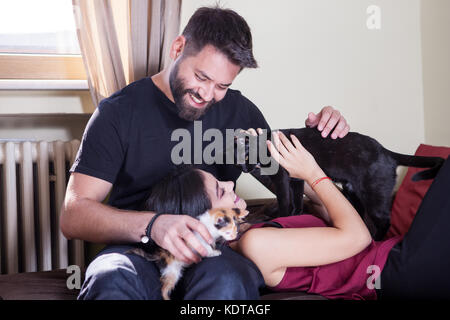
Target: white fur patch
pixel 175 268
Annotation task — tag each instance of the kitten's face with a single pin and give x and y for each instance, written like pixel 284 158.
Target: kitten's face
pixel 226 221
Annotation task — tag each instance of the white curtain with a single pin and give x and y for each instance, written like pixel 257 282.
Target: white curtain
pixel 124 40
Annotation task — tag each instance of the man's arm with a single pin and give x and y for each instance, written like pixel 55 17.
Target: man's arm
pixel 83 216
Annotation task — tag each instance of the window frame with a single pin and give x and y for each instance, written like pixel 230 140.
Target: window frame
pixel 41 67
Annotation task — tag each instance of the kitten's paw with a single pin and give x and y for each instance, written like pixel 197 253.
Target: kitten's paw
pixel 215 253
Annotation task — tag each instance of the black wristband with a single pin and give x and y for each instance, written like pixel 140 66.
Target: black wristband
pixel 147 239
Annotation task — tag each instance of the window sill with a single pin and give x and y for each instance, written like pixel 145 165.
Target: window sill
pixel 44 85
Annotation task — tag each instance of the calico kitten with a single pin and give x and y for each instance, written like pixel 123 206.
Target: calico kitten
pixel 221 224
pixel 366 170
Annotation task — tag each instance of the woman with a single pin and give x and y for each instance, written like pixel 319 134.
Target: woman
pixel 336 259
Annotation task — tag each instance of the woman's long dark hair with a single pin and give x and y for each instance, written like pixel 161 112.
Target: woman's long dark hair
pixel 181 192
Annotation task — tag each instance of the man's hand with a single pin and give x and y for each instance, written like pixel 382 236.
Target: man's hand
pixel 326 120
pixel 252 131
pixel 175 234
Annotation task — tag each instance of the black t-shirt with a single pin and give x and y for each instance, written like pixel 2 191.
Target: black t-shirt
pixel 127 141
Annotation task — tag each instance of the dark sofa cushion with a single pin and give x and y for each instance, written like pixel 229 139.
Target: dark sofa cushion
pixel 410 194
pixel 298 295
pixel 45 285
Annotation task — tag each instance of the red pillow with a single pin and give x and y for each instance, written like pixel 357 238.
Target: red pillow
pixel 410 194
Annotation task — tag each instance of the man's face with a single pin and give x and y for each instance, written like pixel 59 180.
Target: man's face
pixel 199 81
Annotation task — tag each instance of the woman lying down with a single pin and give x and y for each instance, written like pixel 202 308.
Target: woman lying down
pixel 337 258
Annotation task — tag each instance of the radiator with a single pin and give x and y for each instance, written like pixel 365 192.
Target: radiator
pixel 33 178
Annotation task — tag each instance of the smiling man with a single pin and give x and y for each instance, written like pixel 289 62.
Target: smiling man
pixel 209 62
pixel 126 149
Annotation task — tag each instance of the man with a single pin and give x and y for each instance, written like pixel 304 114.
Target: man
pixel 126 148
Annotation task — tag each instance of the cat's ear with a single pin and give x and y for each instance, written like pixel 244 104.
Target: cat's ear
pixel 243 214
pixel 241 137
pixel 240 140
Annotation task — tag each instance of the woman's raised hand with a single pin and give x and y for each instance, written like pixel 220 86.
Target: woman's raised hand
pixel 294 157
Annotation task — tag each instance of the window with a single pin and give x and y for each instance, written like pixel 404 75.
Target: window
pixel 38 41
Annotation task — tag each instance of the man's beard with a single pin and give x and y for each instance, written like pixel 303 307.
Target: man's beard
pixel 179 93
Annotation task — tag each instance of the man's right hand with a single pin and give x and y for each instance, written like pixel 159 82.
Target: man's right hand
pixel 175 234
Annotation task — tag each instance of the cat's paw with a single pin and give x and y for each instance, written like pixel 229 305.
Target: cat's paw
pixel 215 253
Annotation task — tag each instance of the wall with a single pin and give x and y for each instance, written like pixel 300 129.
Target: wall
pixel 50 101
pixel 311 54
pixel 436 70
pixel 317 53
pixel 44 115
pixel 47 127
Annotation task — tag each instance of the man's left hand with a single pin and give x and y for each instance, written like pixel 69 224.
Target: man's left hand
pixel 327 120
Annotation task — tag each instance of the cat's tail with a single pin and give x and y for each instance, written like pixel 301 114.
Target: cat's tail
pixel 170 276
pixel 171 269
pixel 434 163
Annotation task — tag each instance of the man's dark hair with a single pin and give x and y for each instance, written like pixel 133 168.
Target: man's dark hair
pixel 224 29
pixel 180 192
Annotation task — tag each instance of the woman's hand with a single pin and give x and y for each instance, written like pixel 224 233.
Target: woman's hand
pixel 294 158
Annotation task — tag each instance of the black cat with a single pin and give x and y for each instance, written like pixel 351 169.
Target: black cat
pixel 366 170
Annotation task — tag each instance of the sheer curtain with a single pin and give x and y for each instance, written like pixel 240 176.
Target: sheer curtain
pixel 124 40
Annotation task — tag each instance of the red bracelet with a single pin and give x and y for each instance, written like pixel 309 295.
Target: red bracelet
pixel 318 180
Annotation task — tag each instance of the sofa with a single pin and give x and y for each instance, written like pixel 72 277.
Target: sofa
pixel 52 284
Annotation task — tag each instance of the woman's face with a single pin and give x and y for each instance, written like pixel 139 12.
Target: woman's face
pixel 221 193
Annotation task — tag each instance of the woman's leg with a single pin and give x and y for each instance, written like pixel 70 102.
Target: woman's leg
pixel 418 267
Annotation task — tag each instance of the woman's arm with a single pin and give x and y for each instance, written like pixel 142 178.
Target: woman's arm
pixel 273 250
pixel 315 205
